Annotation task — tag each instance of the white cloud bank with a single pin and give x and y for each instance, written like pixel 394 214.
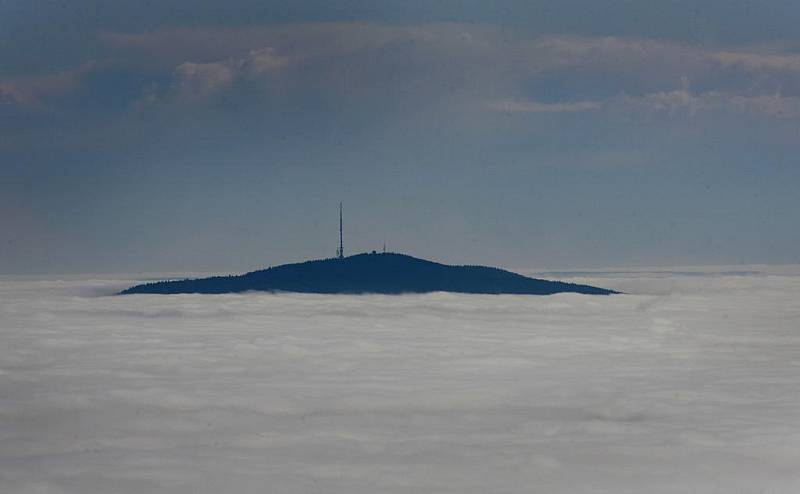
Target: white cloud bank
pixel 197 81
pixel 670 104
pixel 685 390
pixel 369 63
pixel 684 103
pixel 517 106
pixel 485 66
pixel 32 91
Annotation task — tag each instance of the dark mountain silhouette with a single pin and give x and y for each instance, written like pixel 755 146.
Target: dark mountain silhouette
pixel 386 273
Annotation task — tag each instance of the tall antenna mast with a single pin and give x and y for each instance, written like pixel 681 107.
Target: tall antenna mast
pixel 341 241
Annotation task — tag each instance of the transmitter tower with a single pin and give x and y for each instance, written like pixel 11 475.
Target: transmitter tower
pixel 340 252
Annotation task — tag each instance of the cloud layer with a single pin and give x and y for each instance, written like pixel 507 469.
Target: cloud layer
pixel 471 64
pixel 193 81
pixel 449 393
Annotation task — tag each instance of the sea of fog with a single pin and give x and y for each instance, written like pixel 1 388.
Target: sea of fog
pixel 689 383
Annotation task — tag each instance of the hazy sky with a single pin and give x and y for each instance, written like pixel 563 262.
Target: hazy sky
pixel 212 136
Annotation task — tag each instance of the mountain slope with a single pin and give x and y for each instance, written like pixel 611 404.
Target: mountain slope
pixel 371 273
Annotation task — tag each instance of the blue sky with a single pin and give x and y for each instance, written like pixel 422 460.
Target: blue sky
pixel 211 136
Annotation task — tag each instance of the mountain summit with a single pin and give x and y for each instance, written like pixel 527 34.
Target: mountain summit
pixel 386 273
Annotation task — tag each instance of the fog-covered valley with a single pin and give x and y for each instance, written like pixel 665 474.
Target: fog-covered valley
pixel 690 382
